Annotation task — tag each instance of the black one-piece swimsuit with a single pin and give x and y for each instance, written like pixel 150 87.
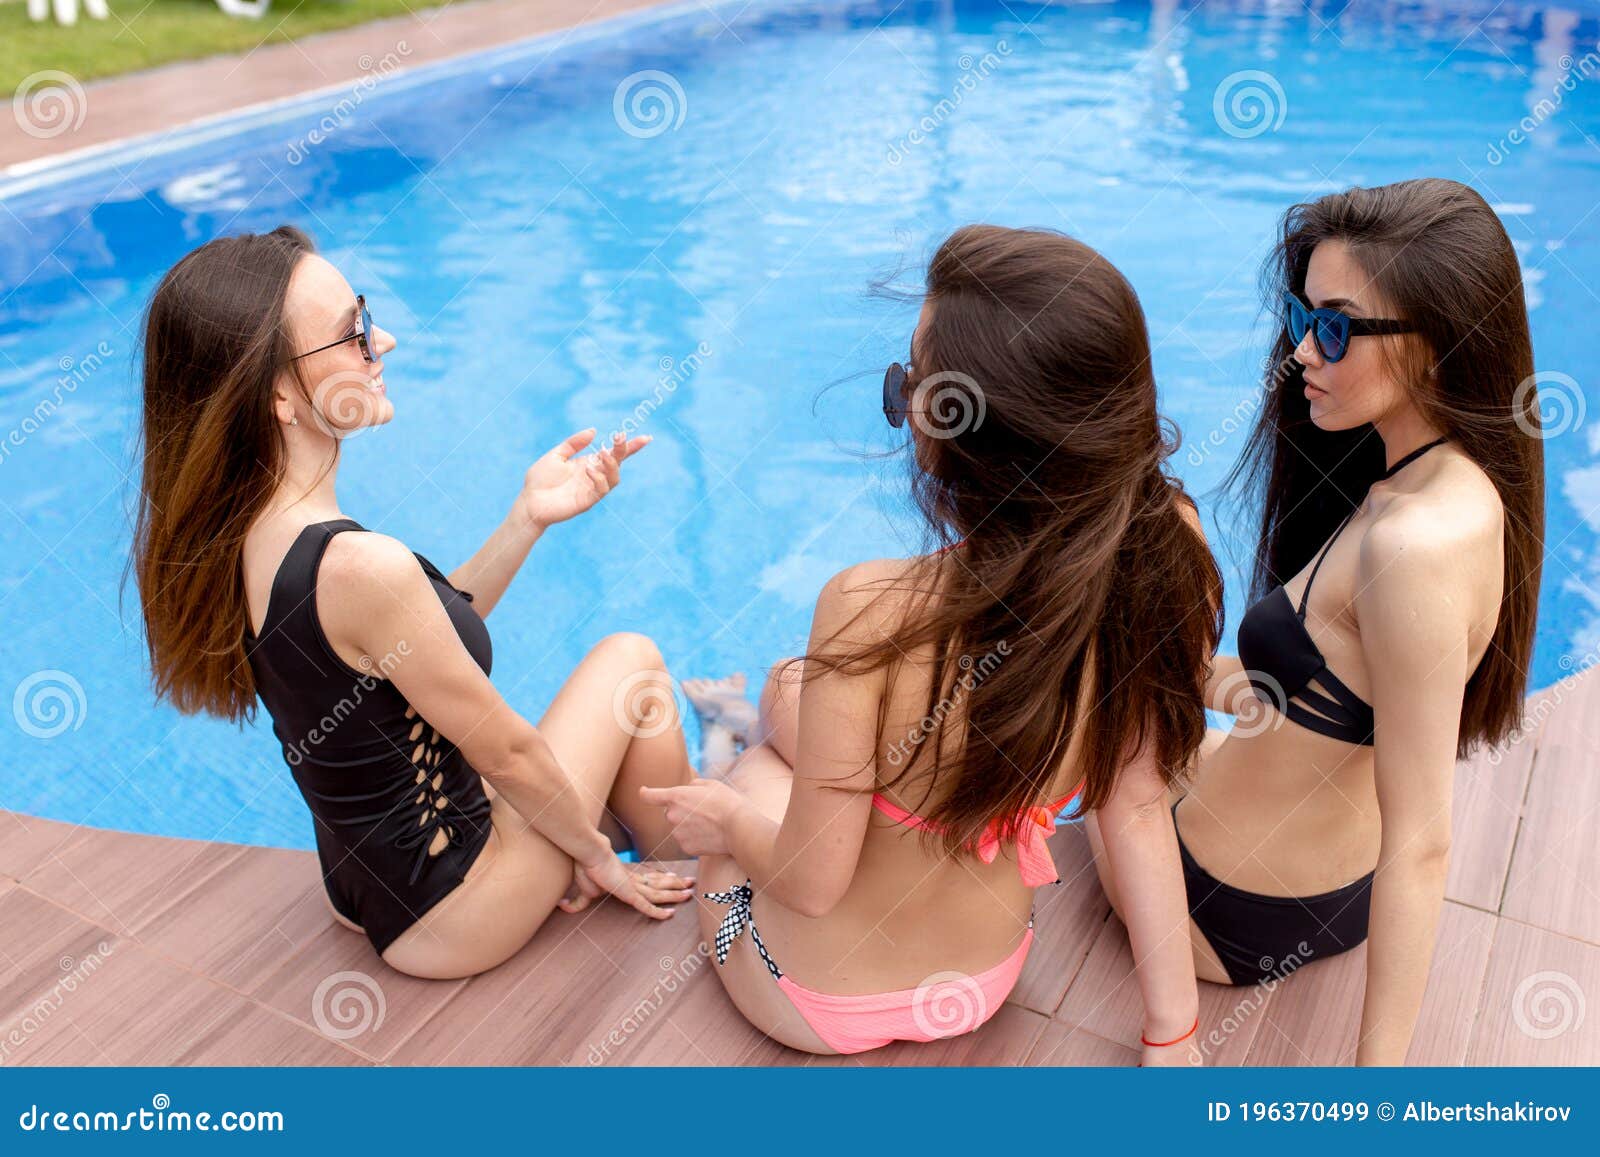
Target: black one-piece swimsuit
pixel 1259 937
pixel 381 783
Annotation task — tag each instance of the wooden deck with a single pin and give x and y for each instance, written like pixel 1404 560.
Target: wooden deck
pixel 124 949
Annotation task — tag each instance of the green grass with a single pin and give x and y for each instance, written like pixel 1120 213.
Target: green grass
pixel 146 33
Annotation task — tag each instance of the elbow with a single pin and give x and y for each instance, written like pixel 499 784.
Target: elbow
pixel 513 758
pixel 1424 854
pixel 813 901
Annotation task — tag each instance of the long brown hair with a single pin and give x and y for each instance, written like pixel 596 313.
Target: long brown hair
pixel 1441 258
pixel 214 345
pixel 1041 467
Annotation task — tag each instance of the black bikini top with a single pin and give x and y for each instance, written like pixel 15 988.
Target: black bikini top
pixel 1283 660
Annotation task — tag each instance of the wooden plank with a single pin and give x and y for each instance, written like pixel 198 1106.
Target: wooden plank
pixel 1065 1044
pixel 1485 808
pixel 121 880
pixel 25 840
pixel 1554 881
pixel 1455 983
pixel 49 959
pixel 523 1011
pixel 1066 920
pixel 1105 1000
pixel 252 915
pixel 1314 1017
pixel 336 985
pixel 1536 1000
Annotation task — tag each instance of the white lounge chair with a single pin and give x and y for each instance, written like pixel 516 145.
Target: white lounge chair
pixel 66 11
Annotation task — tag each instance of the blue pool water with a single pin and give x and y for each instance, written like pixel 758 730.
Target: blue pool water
pixel 551 257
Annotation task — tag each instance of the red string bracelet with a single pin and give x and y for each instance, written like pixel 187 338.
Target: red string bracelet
pixel 1161 1044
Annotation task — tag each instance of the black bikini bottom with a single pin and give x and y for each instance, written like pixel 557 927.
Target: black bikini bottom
pixel 1260 938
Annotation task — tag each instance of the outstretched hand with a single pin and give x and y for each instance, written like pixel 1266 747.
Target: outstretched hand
pixel 644 887
pixel 700 812
pixel 560 485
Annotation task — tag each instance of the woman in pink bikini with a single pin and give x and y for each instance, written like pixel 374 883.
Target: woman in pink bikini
pixel 883 832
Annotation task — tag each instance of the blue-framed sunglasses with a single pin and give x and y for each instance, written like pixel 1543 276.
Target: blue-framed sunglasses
pixel 1331 330
pixel 362 336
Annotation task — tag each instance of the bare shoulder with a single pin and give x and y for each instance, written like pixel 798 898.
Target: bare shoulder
pixel 869 598
pixel 1448 534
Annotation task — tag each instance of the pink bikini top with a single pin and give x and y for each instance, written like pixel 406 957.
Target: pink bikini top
pixel 1037 826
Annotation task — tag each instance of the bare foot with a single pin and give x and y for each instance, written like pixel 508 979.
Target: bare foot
pixel 726 719
pixel 722 701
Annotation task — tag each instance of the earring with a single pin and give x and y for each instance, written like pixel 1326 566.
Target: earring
pixel 294 421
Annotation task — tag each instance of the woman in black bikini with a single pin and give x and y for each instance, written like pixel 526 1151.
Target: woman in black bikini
pixel 447 826
pixel 1398 460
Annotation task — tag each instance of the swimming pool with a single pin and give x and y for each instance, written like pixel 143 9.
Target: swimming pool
pixel 669 223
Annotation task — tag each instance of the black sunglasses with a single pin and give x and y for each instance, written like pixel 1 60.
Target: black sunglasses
pixel 1331 330
pixel 895 403
pixel 362 337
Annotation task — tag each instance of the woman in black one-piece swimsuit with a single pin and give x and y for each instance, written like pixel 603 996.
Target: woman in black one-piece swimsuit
pixel 447 827
pixel 1397 454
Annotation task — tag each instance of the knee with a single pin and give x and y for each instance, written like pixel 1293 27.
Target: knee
pixel 782 681
pixel 636 651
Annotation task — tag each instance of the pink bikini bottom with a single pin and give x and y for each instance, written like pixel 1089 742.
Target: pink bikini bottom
pixel 946 1004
